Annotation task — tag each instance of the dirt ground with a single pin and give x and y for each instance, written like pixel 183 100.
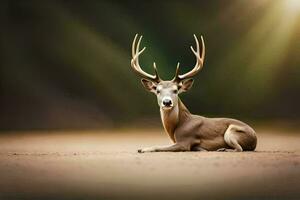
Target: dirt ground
pixel 105 165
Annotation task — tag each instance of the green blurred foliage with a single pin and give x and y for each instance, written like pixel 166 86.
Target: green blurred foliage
pixel 66 64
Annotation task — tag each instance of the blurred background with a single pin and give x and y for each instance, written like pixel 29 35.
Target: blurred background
pixel 66 64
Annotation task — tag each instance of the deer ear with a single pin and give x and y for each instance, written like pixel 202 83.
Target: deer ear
pixel 185 85
pixel 149 85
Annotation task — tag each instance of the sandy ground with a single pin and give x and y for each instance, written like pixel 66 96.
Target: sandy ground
pixel 105 165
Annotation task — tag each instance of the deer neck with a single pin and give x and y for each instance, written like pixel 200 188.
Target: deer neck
pixel 172 118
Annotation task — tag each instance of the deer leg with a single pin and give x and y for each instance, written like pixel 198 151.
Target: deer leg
pixel 231 139
pixel 173 148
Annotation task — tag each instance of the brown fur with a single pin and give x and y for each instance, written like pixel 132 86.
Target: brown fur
pixel 197 133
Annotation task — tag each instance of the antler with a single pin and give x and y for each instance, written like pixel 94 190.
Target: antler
pixel 135 61
pixel 199 63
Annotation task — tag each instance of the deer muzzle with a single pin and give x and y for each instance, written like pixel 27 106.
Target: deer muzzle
pixel 167 102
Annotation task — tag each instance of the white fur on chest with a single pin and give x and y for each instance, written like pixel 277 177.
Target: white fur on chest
pixel 169 119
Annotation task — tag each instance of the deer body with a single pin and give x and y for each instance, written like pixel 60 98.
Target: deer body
pixel 194 132
pixel 187 131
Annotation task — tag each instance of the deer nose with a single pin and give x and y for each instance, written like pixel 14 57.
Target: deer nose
pixel 167 102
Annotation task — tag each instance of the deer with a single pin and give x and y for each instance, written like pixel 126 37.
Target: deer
pixel 189 132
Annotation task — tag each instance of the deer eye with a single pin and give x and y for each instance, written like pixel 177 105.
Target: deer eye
pixel 157 91
pixel 175 91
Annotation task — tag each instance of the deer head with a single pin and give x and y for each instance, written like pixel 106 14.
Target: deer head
pixel 167 91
